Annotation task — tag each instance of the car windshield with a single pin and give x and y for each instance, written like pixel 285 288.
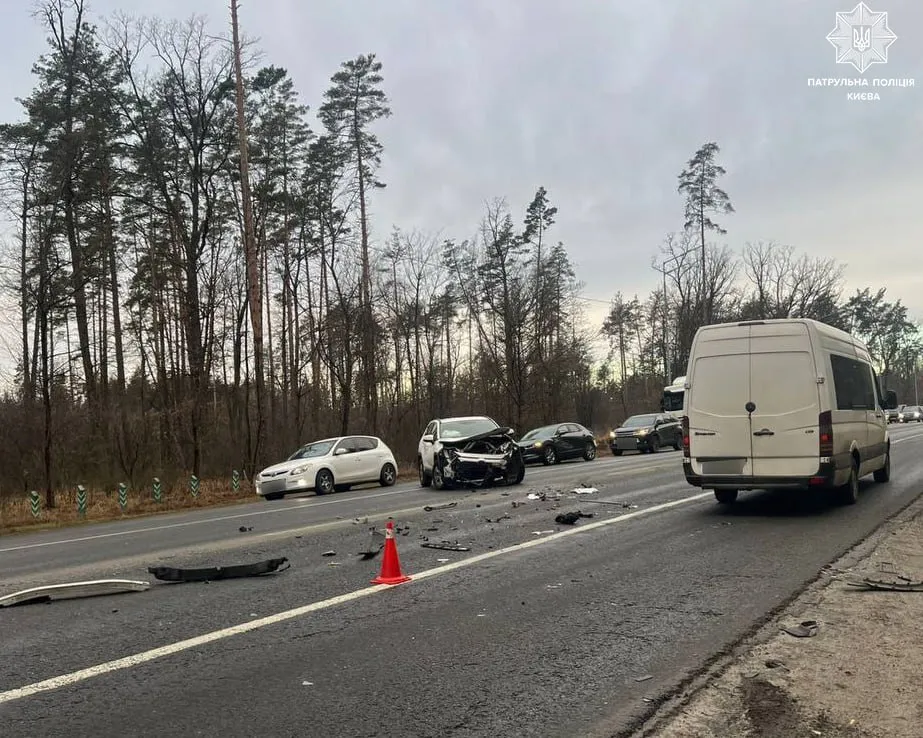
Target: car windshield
pixel 546 431
pixel 639 421
pixel 313 450
pixel 465 428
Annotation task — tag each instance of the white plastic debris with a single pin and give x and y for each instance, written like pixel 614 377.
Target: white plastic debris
pixel 541 532
pixel 533 496
pixel 585 490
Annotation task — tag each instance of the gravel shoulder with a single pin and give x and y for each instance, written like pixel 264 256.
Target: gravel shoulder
pixel 859 676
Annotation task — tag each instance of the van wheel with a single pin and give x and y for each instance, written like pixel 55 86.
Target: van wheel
pixel 849 493
pixel 653 445
pixel 726 496
pixel 884 474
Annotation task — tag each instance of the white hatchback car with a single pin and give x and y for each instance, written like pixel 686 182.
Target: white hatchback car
pixel 334 464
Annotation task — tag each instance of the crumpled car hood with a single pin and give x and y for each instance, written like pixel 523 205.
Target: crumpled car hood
pixel 479 459
pixel 499 434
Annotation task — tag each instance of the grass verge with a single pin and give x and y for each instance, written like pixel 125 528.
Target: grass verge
pixel 103 505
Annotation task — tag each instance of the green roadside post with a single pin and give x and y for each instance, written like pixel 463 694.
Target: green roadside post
pixel 158 490
pixel 123 496
pixel 235 480
pixel 194 485
pixel 81 501
pixel 35 503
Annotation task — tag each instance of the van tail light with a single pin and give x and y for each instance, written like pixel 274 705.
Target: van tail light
pixel 686 436
pixel 825 421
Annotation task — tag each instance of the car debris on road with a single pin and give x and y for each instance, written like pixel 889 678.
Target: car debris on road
pixel 216 573
pixel 445 506
pixel 445 546
pixel 73 590
pixel 570 518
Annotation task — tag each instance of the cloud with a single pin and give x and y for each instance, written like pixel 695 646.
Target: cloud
pixel 603 103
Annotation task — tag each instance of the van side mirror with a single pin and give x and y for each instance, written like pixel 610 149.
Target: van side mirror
pixel 890 400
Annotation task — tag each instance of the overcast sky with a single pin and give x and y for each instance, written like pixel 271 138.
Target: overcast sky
pixel 603 102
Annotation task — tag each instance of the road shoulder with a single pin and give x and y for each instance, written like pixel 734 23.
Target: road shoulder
pixel 857 677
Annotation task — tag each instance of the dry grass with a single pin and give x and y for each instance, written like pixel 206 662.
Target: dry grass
pixel 102 505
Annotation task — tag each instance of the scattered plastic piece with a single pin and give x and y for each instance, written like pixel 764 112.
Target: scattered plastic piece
pixel 570 518
pixel 805 629
pixel 93 588
pixel 371 553
pixel 445 546
pixel 329 553
pixel 541 532
pixel 215 573
pixel 446 506
pixel 585 490
pixel 644 678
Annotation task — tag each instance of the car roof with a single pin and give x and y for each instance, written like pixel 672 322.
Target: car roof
pixel 467 417
pixel 340 438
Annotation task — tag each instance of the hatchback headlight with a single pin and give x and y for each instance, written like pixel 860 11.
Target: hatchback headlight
pixel 537 444
pixel 299 470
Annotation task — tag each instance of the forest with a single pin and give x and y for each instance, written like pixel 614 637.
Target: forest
pixel 190 251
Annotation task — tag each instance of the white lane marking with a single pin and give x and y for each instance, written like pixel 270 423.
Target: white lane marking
pixel 298 504
pixel 907 438
pixel 66 680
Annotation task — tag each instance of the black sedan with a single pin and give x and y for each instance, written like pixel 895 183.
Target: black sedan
pixel 551 444
pixel 647 434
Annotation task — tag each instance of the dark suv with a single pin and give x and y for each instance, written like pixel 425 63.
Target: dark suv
pixel 647 434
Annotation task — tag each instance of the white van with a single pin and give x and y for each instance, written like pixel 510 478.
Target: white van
pixel 779 404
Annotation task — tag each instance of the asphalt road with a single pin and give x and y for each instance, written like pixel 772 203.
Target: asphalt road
pixel 540 630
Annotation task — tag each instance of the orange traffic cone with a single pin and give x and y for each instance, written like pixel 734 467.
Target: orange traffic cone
pixel 390 564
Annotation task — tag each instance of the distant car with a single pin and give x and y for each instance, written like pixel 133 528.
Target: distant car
pixel 334 464
pixel 551 444
pixel 894 413
pixel 647 434
pixel 910 414
pixel 472 451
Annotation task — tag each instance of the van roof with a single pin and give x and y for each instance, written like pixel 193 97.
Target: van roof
pixel 816 325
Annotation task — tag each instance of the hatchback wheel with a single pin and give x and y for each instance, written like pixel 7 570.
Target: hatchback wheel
pixel 550 456
pixel 590 453
pixel 323 482
pixel 388 475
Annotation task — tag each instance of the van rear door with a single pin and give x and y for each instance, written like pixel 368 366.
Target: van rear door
pixel 720 440
pixel 784 389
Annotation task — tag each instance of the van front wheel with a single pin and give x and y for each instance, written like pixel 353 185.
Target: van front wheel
pixel 884 474
pixel 726 496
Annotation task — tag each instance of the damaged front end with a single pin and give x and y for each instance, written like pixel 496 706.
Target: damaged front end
pixel 480 461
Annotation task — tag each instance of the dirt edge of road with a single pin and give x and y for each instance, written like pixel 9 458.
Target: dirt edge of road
pixel 858 677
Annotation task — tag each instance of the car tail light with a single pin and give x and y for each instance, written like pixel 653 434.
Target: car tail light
pixel 825 421
pixel 686 436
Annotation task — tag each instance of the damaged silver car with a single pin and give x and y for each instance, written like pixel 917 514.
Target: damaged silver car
pixel 473 451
